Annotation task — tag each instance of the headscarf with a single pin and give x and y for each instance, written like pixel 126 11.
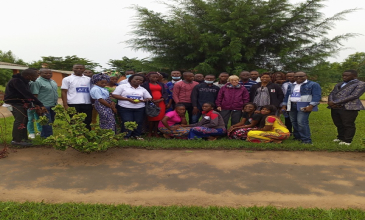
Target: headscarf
pixel 98 77
pixel 114 74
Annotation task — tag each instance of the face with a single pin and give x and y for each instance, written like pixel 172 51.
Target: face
pixel 278 76
pixel 33 76
pixel 206 107
pixel 209 78
pixel 129 72
pixel 249 108
pixel 189 77
pixel 180 110
pixel 254 75
pixel 223 77
pixel 102 83
pixel 265 78
pixel 234 81
pixel 347 76
pixel 78 69
pixel 88 73
pixel 113 80
pixel 154 78
pixel 244 76
pixel 175 74
pixel 199 77
pixel 265 111
pixel 300 77
pixel 46 73
pixel 290 77
pixel 136 81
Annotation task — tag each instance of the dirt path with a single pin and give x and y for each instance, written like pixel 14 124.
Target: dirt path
pixel 196 177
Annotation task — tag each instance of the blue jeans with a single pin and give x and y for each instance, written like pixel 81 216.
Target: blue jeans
pixel 300 122
pixel 195 118
pixel 47 129
pixel 132 114
pixel 32 117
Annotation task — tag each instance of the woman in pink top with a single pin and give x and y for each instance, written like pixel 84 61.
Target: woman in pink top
pixel 170 125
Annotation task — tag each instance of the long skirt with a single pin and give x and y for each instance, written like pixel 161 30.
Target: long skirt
pixel 200 132
pixel 181 132
pixel 106 115
pixel 239 133
pixel 276 136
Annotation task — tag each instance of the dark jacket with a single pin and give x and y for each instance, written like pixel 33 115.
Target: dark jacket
pixel 18 91
pixel 204 93
pixel 230 98
pixel 211 119
pixel 275 92
pixel 164 93
pixel 348 96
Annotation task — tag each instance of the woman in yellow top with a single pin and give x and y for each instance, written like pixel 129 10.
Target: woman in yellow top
pixel 271 128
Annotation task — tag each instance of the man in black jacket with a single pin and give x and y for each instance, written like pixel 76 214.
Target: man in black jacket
pixel 19 96
pixel 203 93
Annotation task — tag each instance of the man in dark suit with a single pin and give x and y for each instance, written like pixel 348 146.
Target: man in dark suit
pixel 345 104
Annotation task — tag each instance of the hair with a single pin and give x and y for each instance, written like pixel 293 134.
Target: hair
pixel 179 105
pixel 353 72
pixel 176 71
pixel 129 70
pixel 301 71
pixel 250 103
pixel 185 73
pixel 232 77
pixel 149 74
pixel 210 75
pixel 266 73
pixel 273 77
pixel 224 73
pixel 210 103
pixel 254 71
pixel 272 110
pixel 42 69
pixel 29 72
pixel 134 75
pixel 78 64
pixel 199 73
pixel 244 71
pixel 164 75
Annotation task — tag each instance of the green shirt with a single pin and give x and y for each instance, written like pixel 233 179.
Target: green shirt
pixel 46 90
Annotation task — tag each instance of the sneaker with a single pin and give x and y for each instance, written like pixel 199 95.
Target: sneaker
pixel 22 143
pixel 336 140
pixel 140 138
pixel 344 143
pixel 31 136
pixel 38 133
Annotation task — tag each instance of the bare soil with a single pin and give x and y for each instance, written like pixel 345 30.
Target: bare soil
pixel 185 177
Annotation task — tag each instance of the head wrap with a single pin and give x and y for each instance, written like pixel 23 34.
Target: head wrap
pixel 98 77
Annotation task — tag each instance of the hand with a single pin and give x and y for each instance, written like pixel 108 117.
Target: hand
pixel 257 112
pixel 168 106
pixel 185 125
pixel 219 108
pixel 132 101
pixel 114 110
pixel 283 108
pixel 174 128
pixel 231 129
pixel 65 106
pixel 309 108
pixel 195 111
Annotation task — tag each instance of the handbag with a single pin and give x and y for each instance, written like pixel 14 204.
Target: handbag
pixel 152 110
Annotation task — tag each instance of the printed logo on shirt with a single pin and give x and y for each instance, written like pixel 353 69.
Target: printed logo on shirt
pixel 272 90
pixel 134 97
pixel 295 94
pixel 82 89
pixel 207 117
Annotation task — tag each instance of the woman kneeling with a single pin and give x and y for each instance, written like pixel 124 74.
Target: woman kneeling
pixel 210 125
pixel 170 124
pixel 272 129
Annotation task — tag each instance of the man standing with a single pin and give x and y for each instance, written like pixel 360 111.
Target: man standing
pixel 223 77
pixel 45 89
pixel 301 91
pixel 128 73
pixel 199 78
pixel 19 96
pixel 345 104
pixel 245 80
pixel 203 93
pixel 289 80
pixel 255 76
pixel 176 77
pixel 182 93
pixel 75 92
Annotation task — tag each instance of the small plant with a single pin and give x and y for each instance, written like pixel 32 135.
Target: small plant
pixel 130 125
pixel 76 135
pixel 4 152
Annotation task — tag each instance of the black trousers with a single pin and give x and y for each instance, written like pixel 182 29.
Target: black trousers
pixel 20 122
pixel 288 124
pixel 84 108
pixel 344 120
pixel 189 109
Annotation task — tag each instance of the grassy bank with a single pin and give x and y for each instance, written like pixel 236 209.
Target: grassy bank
pixel 30 210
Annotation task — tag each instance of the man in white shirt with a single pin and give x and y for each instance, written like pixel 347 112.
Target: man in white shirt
pixel 255 76
pixel 128 73
pixel 75 92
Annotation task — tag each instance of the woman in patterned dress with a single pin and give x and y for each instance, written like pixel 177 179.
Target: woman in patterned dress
pixel 170 125
pixel 272 129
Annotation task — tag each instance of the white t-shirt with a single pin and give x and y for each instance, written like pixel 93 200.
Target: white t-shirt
pixel 78 89
pixel 124 81
pixel 295 94
pixel 128 91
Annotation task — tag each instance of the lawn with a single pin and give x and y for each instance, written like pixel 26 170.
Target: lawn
pixel 323 132
pixel 30 210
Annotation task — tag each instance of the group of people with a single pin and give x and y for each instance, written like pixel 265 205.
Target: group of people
pixel 250 103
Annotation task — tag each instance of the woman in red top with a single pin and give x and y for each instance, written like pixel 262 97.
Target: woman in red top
pixel 159 94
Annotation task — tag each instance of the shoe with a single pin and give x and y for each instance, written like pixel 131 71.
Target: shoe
pixel 140 138
pixel 212 138
pixel 31 136
pixel 336 140
pixel 344 143
pixel 38 133
pixel 22 143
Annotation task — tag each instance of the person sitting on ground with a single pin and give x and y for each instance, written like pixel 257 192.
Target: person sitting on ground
pixel 271 128
pixel 249 121
pixel 170 125
pixel 210 125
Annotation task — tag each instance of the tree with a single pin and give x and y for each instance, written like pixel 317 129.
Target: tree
pixel 60 63
pixel 355 61
pixel 211 36
pixel 134 64
pixel 8 57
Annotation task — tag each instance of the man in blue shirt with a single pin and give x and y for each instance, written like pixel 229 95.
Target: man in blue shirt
pixel 246 81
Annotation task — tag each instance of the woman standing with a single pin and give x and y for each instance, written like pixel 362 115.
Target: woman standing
pixel 158 92
pixel 266 93
pixel 272 129
pixel 171 123
pixel 230 100
pixel 131 100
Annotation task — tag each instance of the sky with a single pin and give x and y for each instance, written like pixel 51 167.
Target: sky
pixel 97 30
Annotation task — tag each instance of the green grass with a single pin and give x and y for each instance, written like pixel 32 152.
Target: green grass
pixel 362 97
pixel 31 210
pixel 2 88
pixel 322 128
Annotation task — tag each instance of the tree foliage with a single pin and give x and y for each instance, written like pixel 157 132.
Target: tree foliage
pixel 230 35
pixel 355 61
pixel 143 65
pixel 66 63
pixel 8 57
